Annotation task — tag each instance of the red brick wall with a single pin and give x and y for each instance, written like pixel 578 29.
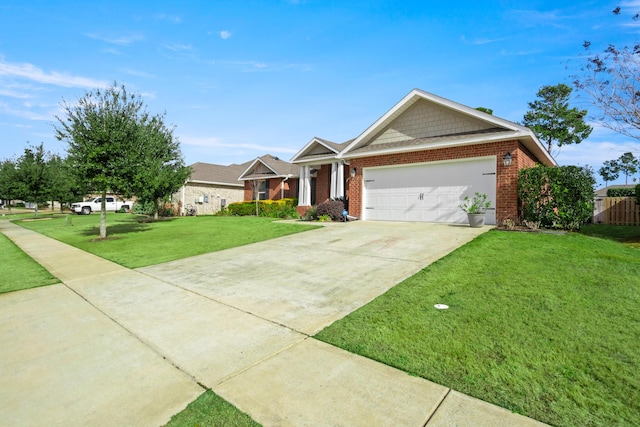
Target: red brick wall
pixel 323 184
pixel 506 177
pixel 290 189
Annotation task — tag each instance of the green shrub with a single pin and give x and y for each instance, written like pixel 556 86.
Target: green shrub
pixel 142 208
pixel 284 208
pixel 556 197
pixel 332 208
pixel 311 214
pixel 621 192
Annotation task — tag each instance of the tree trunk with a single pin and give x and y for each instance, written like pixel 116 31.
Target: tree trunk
pixel 103 215
pixel 156 207
pixel 36 210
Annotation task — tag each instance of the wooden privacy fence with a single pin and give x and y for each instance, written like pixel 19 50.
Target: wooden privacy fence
pixel 616 211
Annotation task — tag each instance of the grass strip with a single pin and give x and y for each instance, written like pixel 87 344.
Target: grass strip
pixel 18 270
pixel 544 325
pixel 211 410
pixel 134 242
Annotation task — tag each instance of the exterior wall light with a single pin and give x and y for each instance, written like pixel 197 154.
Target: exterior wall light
pixel 353 172
pixel 507 159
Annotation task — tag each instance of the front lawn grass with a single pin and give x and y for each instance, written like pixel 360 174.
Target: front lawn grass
pixel 211 410
pixel 134 242
pixel 18 271
pixel 544 325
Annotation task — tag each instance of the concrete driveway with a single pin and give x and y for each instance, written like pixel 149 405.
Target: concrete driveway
pixel 309 280
pixel 114 346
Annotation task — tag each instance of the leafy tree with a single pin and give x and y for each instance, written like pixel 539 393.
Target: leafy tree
pixel 161 171
pixel 552 120
pixel 628 165
pixel 609 171
pixel 32 176
pixel 610 79
pixel 64 186
pixel 102 130
pixel 8 183
pixel 485 110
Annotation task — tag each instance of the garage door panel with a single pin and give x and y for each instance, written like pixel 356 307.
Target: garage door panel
pixel 427 192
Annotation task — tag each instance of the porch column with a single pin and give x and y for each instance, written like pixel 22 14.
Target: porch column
pixel 334 174
pixel 340 180
pixel 304 190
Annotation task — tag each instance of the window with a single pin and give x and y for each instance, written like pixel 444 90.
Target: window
pixel 261 190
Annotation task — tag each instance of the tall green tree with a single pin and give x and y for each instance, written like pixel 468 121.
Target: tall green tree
pixel 609 171
pixel 64 187
pixel 161 171
pixel 553 121
pixel 32 176
pixel 628 164
pixel 8 185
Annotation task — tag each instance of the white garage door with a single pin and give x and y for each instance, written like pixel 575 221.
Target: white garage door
pixel 430 192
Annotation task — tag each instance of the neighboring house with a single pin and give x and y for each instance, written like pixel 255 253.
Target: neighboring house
pixel 269 178
pixel 602 192
pixel 210 188
pixel 419 160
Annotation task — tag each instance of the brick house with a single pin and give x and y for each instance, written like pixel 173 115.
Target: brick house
pixel 419 160
pixel 269 178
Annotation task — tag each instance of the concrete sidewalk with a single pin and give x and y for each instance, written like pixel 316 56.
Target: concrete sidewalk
pixel 114 346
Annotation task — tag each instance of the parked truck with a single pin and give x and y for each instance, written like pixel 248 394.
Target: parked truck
pixel 111 203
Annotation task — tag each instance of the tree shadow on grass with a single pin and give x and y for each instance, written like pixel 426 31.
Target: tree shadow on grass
pixel 118 228
pixel 626 234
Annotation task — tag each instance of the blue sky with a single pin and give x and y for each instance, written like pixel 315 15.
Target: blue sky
pixel 240 79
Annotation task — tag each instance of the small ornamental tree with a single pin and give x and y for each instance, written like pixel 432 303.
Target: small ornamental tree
pixel 556 197
pixel 32 176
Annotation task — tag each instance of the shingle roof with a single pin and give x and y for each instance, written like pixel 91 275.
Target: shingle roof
pixel 279 168
pixel 219 174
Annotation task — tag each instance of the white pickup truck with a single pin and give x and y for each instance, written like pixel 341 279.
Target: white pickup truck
pixel 85 208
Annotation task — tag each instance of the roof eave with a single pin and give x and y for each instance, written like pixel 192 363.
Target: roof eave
pixel 197 181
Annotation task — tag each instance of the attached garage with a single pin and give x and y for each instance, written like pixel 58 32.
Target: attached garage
pixel 422 157
pixel 430 192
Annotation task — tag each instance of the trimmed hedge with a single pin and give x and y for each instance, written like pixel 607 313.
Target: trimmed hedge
pixel 556 197
pixel 284 208
pixel 621 192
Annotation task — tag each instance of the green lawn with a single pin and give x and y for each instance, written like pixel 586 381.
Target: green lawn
pixel 544 325
pixel 211 410
pixel 18 271
pixel 133 243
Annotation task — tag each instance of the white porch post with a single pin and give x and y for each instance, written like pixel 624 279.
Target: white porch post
pixel 334 172
pixel 340 180
pixel 304 192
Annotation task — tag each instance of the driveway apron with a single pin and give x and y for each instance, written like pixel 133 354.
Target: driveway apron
pixel 131 347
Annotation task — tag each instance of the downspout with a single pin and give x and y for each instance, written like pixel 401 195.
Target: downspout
pixel 282 186
pixel 184 188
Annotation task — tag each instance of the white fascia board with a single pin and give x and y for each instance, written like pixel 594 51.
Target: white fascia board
pixel 414 96
pixel 475 139
pixel 195 181
pixel 308 145
pixel 252 165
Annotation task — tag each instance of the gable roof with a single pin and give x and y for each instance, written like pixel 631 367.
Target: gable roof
pixel 268 166
pixel 423 121
pixel 207 173
pixel 319 149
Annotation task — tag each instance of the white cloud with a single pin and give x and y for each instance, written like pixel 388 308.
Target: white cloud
pixel 119 40
pixel 176 47
pixel 33 73
pixel 225 34
pixel 139 73
pixel 594 153
pixel 171 18
pixel 481 41
pixel 214 142
pixel 25 114
pixel 14 94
